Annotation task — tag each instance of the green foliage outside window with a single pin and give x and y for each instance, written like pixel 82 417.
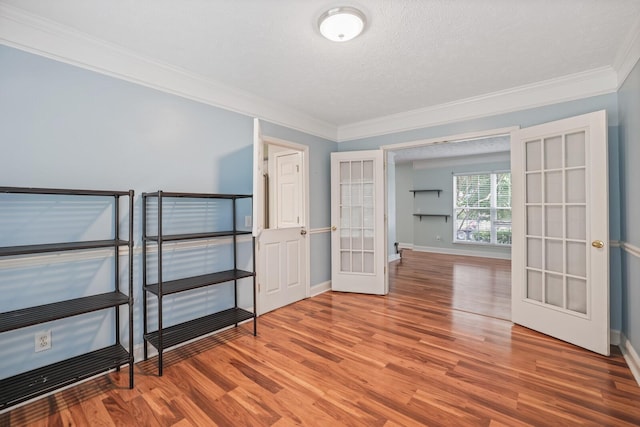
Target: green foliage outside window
pixel 483 208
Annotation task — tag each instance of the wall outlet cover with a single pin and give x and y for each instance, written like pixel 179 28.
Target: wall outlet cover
pixel 43 341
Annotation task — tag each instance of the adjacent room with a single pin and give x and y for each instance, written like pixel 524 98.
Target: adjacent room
pixel 453 205
pixel 268 213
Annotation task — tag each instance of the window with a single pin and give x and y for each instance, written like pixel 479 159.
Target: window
pixel 482 208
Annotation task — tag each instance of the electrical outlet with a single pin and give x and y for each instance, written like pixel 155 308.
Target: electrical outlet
pixel 247 221
pixel 438 238
pixel 43 341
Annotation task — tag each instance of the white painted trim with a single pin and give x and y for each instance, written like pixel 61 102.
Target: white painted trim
pixel 475 253
pixel 614 337
pixel 630 356
pixel 628 54
pixel 630 249
pixel 615 244
pixel 594 82
pixel 23 30
pixel 320 288
pixel 451 138
pixel 393 257
pixel 319 230
pixel 405 246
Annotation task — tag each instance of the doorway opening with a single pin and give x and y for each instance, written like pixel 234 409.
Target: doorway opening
pixel 450 198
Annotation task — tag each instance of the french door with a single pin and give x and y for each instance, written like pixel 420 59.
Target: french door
pixel 560 253
pixel 358 250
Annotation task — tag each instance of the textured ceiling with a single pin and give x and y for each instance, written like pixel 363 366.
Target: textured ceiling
pixel 447 149
pixel 413 54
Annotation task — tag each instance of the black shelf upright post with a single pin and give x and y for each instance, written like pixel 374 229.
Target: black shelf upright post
pixel 116 262
pixel 130 256
pixel 160 294
pixel 144 271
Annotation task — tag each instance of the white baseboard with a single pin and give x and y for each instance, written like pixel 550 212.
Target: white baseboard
pixel 463 252
pixel 630 356
pixel 614 337
pixel 320 288
pixel 405 246
pixel 393 257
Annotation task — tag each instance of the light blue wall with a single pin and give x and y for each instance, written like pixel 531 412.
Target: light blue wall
pixel 392 236
pixel 526 118
pixel 404 199
pixel 62 126
pixel 629 101
pixel 426 230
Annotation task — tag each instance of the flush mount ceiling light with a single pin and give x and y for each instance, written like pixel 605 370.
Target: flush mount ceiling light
pixel 341 24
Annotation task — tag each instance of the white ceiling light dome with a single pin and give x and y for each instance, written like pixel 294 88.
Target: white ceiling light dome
pixel 341 24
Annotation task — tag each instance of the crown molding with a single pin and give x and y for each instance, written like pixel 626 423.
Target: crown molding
pixel 28 32
pixel 567 88
pixel 628 54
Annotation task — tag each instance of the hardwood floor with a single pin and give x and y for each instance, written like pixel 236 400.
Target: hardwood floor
pixel 360 360
pixel 476 285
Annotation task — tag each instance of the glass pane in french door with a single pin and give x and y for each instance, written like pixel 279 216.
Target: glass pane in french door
pixel 357 217
pixel 556 209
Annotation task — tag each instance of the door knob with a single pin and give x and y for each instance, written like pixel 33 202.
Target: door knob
pixel 303 231
pixel 333 228
pixel 597 244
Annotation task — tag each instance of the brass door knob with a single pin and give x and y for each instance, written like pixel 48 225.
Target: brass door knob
pixel 334 228
pixel 597 244
pixel 303 231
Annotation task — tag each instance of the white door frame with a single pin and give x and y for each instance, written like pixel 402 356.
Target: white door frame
pixel 440 140
pixel 259 209
pixel 424 142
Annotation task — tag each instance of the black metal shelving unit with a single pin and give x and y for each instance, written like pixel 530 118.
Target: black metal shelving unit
pixel 27 385
pixel 166 337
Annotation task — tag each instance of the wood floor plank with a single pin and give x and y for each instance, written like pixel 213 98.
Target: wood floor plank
pixel 421 355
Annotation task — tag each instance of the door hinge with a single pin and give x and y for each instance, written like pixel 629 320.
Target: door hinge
pixel 297 168
pixel 298 220
pixel 258 287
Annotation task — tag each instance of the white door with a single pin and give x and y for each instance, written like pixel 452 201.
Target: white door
pixel 282 270
pixel 560 254
pixel 282 267
pixel 288 189
pixel 358 249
